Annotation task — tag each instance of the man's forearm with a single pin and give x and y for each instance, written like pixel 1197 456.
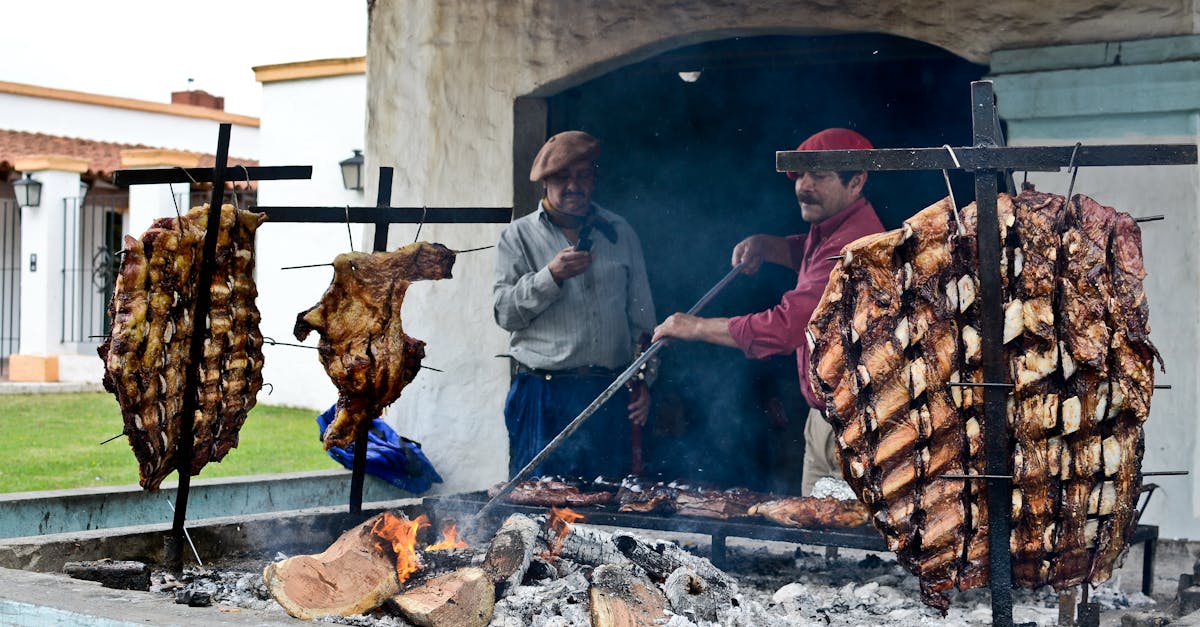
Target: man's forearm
pixel 696 329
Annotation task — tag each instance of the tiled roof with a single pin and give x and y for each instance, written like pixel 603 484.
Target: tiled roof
pixel 103 157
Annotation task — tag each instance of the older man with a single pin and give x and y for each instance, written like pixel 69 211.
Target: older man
pixel 833 204
pixel 571 288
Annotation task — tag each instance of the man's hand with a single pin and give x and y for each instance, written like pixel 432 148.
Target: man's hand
pixel 759 248
pixel 639 403
pixel 683 326
pixel 568 263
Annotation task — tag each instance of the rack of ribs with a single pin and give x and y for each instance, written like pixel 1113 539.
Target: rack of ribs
pixel 898 324
pixel 146 353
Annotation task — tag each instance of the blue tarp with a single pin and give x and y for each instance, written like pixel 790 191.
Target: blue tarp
pixel 391 457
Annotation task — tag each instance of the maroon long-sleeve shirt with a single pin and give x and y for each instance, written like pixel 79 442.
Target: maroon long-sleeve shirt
pixel 780 329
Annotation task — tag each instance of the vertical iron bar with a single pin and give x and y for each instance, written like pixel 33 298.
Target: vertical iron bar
pixel 62 323
pixel 191 401
pixel 991 322
pixel 87 302
pixel 383 199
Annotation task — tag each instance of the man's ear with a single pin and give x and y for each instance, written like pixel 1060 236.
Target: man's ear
pixel 858 182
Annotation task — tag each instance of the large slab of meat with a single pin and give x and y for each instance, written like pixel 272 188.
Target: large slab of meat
pixel 363 345
pixel 152 312
pixel 899 321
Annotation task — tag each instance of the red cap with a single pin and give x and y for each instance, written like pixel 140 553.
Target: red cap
pixel 834 139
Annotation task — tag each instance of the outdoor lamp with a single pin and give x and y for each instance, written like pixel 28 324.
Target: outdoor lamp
pixel 29 191
pixel 352 171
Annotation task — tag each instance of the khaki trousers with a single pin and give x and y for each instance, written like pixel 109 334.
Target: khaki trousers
pixel 820 452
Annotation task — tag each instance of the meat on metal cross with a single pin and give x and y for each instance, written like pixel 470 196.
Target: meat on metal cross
pixel 382 215
pixel 987 159
pixel 217 175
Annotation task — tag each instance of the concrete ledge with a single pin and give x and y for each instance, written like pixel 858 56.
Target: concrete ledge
pixel 295 532
pixel 60 387
pixel 63 511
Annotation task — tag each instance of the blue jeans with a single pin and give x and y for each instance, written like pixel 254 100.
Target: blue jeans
pixel 538 409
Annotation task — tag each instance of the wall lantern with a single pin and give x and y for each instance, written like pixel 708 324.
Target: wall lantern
pixel 352 171
pixel 29 191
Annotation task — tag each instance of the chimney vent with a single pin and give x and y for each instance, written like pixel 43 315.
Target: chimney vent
pixel 198 98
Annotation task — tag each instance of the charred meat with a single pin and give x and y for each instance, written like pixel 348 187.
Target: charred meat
pixel 153 310
pixel 899 322
pixel 363 346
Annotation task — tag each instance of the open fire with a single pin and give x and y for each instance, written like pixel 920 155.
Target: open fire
pixel 400 535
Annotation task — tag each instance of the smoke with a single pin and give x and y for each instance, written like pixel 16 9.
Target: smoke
pixel 691 166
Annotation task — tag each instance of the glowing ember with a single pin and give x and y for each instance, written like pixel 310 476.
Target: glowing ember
pixel 560 524
pixel 450 540
pixel 402 535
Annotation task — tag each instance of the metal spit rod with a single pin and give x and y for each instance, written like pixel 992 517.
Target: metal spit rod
pixel 600 400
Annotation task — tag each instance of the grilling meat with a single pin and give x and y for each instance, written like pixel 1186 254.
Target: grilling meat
pixel 363 346
pixel 152 312
pixel 552 492
pixel 716 503
pixel 899 322
pixel 807 511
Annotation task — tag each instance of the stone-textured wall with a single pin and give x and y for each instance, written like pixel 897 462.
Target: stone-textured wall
pixel 443 77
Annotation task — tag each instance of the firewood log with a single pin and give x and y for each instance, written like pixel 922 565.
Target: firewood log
pixel 510 552
pixel 354 575
pixel 621 596
pixel 463 598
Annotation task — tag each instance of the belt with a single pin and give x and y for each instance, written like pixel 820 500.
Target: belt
pixel 583 371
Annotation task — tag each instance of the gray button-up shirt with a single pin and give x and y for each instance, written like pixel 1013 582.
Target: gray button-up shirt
pixel 592 319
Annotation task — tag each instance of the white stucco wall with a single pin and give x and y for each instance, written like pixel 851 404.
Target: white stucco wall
pixel 443 78
pixel 316 122
pixel 115 124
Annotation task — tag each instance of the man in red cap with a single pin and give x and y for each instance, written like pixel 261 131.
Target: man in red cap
pixel 571 288
pixel 833 204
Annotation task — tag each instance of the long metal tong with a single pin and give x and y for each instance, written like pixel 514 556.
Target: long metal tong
pixel 587 412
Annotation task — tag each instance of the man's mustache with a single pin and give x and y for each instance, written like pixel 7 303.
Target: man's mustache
pixel 808 199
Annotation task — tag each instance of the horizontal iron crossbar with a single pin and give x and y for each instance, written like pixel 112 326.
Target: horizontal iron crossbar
pixel 233 174
pixel 394 215
pixel 1034 158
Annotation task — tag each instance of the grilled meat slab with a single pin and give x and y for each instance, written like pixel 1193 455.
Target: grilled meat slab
pixel 363 345
pixel 147 351
pixel 899 322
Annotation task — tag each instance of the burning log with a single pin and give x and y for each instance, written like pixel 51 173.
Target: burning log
pixel 691 596
pixel 509 555
pixel 693 586
pixel 356 574
pixel 588 547
pixel 622 597
pixel 662 558
pixel 463 598
pixel 111 574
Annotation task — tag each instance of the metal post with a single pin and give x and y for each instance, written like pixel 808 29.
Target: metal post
pixel 358 474
pixel 191 384
pixel 991 322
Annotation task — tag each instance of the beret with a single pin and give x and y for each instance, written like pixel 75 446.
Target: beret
pixel 834 139
pixel 561 151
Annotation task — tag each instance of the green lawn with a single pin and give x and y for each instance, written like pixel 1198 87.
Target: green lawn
pixel 52 441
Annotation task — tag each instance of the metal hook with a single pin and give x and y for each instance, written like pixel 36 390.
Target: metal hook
pixel 234 193
pixel 953 204
pixel 424 212
pixel 349 233
pixel 1074 170
pixel 272 388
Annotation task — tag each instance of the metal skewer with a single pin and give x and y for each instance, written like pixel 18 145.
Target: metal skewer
pixel 587 412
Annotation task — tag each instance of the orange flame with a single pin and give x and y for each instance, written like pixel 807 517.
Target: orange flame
pixel 560 523
pixel 450 540
pixel 402 535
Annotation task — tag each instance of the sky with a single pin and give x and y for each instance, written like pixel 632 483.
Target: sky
pixel 146 49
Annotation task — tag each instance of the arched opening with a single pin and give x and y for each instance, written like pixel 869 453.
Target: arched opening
pixel 691 165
